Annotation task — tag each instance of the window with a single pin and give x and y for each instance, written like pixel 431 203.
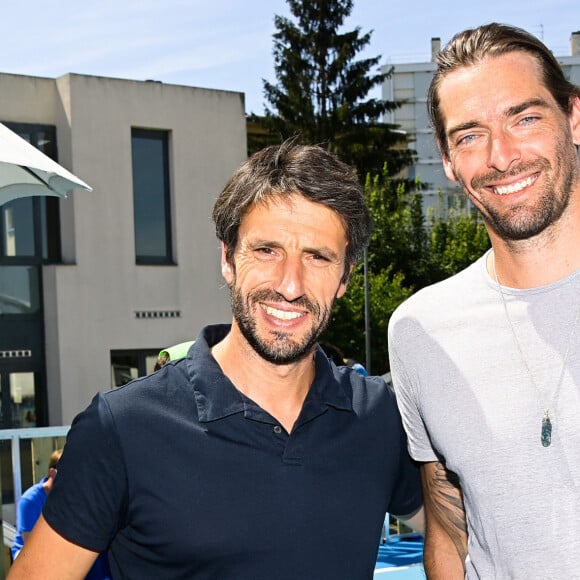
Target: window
pixel 151 208
pixel 30 227
pixel 18 228
pixel 29 238
pixel 18 394
pixel 127 365
pixel 19 290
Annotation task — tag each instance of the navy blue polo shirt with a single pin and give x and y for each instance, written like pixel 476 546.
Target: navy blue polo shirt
pixel 182 476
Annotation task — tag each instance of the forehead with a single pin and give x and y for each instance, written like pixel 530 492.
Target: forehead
pixel 490 87
pixel 296 216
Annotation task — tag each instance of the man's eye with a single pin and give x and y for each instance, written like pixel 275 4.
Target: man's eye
pixel 528 120
pixel 466 139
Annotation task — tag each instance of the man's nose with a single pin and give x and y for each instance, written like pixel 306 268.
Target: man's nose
pixel 503 150
pixel 290 282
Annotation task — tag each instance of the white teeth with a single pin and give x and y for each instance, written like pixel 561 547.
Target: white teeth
pixel 514 187
pixel 282 314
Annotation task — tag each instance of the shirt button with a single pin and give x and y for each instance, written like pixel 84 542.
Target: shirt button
pixel 277 429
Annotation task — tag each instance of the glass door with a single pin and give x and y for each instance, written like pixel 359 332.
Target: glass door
pixel 18 399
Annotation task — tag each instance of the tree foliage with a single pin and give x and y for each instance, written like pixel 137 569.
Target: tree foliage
pixel 322 90
pixel 409 249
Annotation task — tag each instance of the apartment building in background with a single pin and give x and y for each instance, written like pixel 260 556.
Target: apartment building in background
pixel 91 287
pixel 408 84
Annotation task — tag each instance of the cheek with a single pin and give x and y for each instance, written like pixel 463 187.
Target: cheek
pixel 250 274
pixel 465 168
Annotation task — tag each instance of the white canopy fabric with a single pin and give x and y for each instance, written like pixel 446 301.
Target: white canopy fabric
pixel 25 171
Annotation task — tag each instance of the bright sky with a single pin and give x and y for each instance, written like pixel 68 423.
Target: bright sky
pixel 227 44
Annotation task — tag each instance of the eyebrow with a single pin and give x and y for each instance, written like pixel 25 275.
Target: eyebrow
pixel 322 250
pixel 509 112
pixel 326 252
pixel 462 127
pixel 517 109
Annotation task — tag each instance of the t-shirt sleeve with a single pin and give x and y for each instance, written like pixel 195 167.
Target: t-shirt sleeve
pixel 419 442
pixel 87 503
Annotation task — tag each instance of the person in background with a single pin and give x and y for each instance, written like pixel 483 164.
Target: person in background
pixel 31 502
pixel 174 352
pixel 356 366
pixel 338 358
pixel 253 456
pixel 486 364
pixel 29 510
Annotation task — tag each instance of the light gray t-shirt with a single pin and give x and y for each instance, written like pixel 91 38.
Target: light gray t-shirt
pixel 467 399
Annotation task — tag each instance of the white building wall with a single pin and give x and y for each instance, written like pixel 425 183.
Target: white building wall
pixel 409 84
pixel 28 99
pixel 91 299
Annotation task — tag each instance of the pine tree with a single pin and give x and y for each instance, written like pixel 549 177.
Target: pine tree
pixel 322 93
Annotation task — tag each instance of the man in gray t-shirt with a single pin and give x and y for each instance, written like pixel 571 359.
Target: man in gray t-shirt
pixel 486 365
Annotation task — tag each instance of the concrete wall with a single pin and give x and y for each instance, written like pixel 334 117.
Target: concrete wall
pixel 91 298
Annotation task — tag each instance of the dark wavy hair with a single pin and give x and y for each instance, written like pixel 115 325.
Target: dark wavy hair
pixel 280 171
pixel 469 47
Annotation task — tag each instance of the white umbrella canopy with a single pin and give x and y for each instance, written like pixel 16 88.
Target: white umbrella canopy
pixel 25 171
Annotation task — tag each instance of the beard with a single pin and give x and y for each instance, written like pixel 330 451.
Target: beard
pixel 521 222
pixel 279 347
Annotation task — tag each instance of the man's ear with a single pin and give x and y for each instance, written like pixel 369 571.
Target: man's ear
pixel 344 284
pixel 575 119
pixel 448 167
pixel 227 268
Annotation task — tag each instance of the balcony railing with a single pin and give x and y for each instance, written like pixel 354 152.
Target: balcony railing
pixel 24 455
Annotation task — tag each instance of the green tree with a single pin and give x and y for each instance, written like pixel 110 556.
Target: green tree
pixel 409 249
pixel 322 93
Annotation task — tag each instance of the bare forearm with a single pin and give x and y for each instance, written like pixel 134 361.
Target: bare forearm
pixel 446 537
pixel 48 556
pixel 442 563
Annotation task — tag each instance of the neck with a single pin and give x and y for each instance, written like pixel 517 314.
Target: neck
pixel 544 259
pixel 278 389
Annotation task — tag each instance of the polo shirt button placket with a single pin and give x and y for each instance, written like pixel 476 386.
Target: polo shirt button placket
pixel 277 429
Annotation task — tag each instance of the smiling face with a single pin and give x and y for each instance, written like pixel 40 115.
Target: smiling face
pixel 287 271
pixel 510 146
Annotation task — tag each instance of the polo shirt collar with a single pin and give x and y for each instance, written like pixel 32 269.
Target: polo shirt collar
pixel 216 397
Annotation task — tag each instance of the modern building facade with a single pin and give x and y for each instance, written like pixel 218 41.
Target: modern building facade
pixel 92 287
pixel 409 84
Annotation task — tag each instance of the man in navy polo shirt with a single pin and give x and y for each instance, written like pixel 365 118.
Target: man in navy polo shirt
pixel 254 457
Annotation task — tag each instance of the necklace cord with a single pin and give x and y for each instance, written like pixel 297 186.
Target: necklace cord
pixel 546 423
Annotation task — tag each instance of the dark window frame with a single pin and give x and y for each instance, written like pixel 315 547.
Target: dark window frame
pixel 145 259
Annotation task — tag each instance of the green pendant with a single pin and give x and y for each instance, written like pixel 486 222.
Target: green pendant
pixel 546 431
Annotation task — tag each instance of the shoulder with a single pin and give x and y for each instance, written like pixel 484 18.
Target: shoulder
pixel 343 387
pixel 371 394
pixel 160 385
pixel 425 307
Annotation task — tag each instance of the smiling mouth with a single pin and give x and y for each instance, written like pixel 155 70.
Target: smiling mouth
pixel 515 187
pixel 281 314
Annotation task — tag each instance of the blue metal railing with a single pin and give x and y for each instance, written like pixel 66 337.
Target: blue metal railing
pixel 15 436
